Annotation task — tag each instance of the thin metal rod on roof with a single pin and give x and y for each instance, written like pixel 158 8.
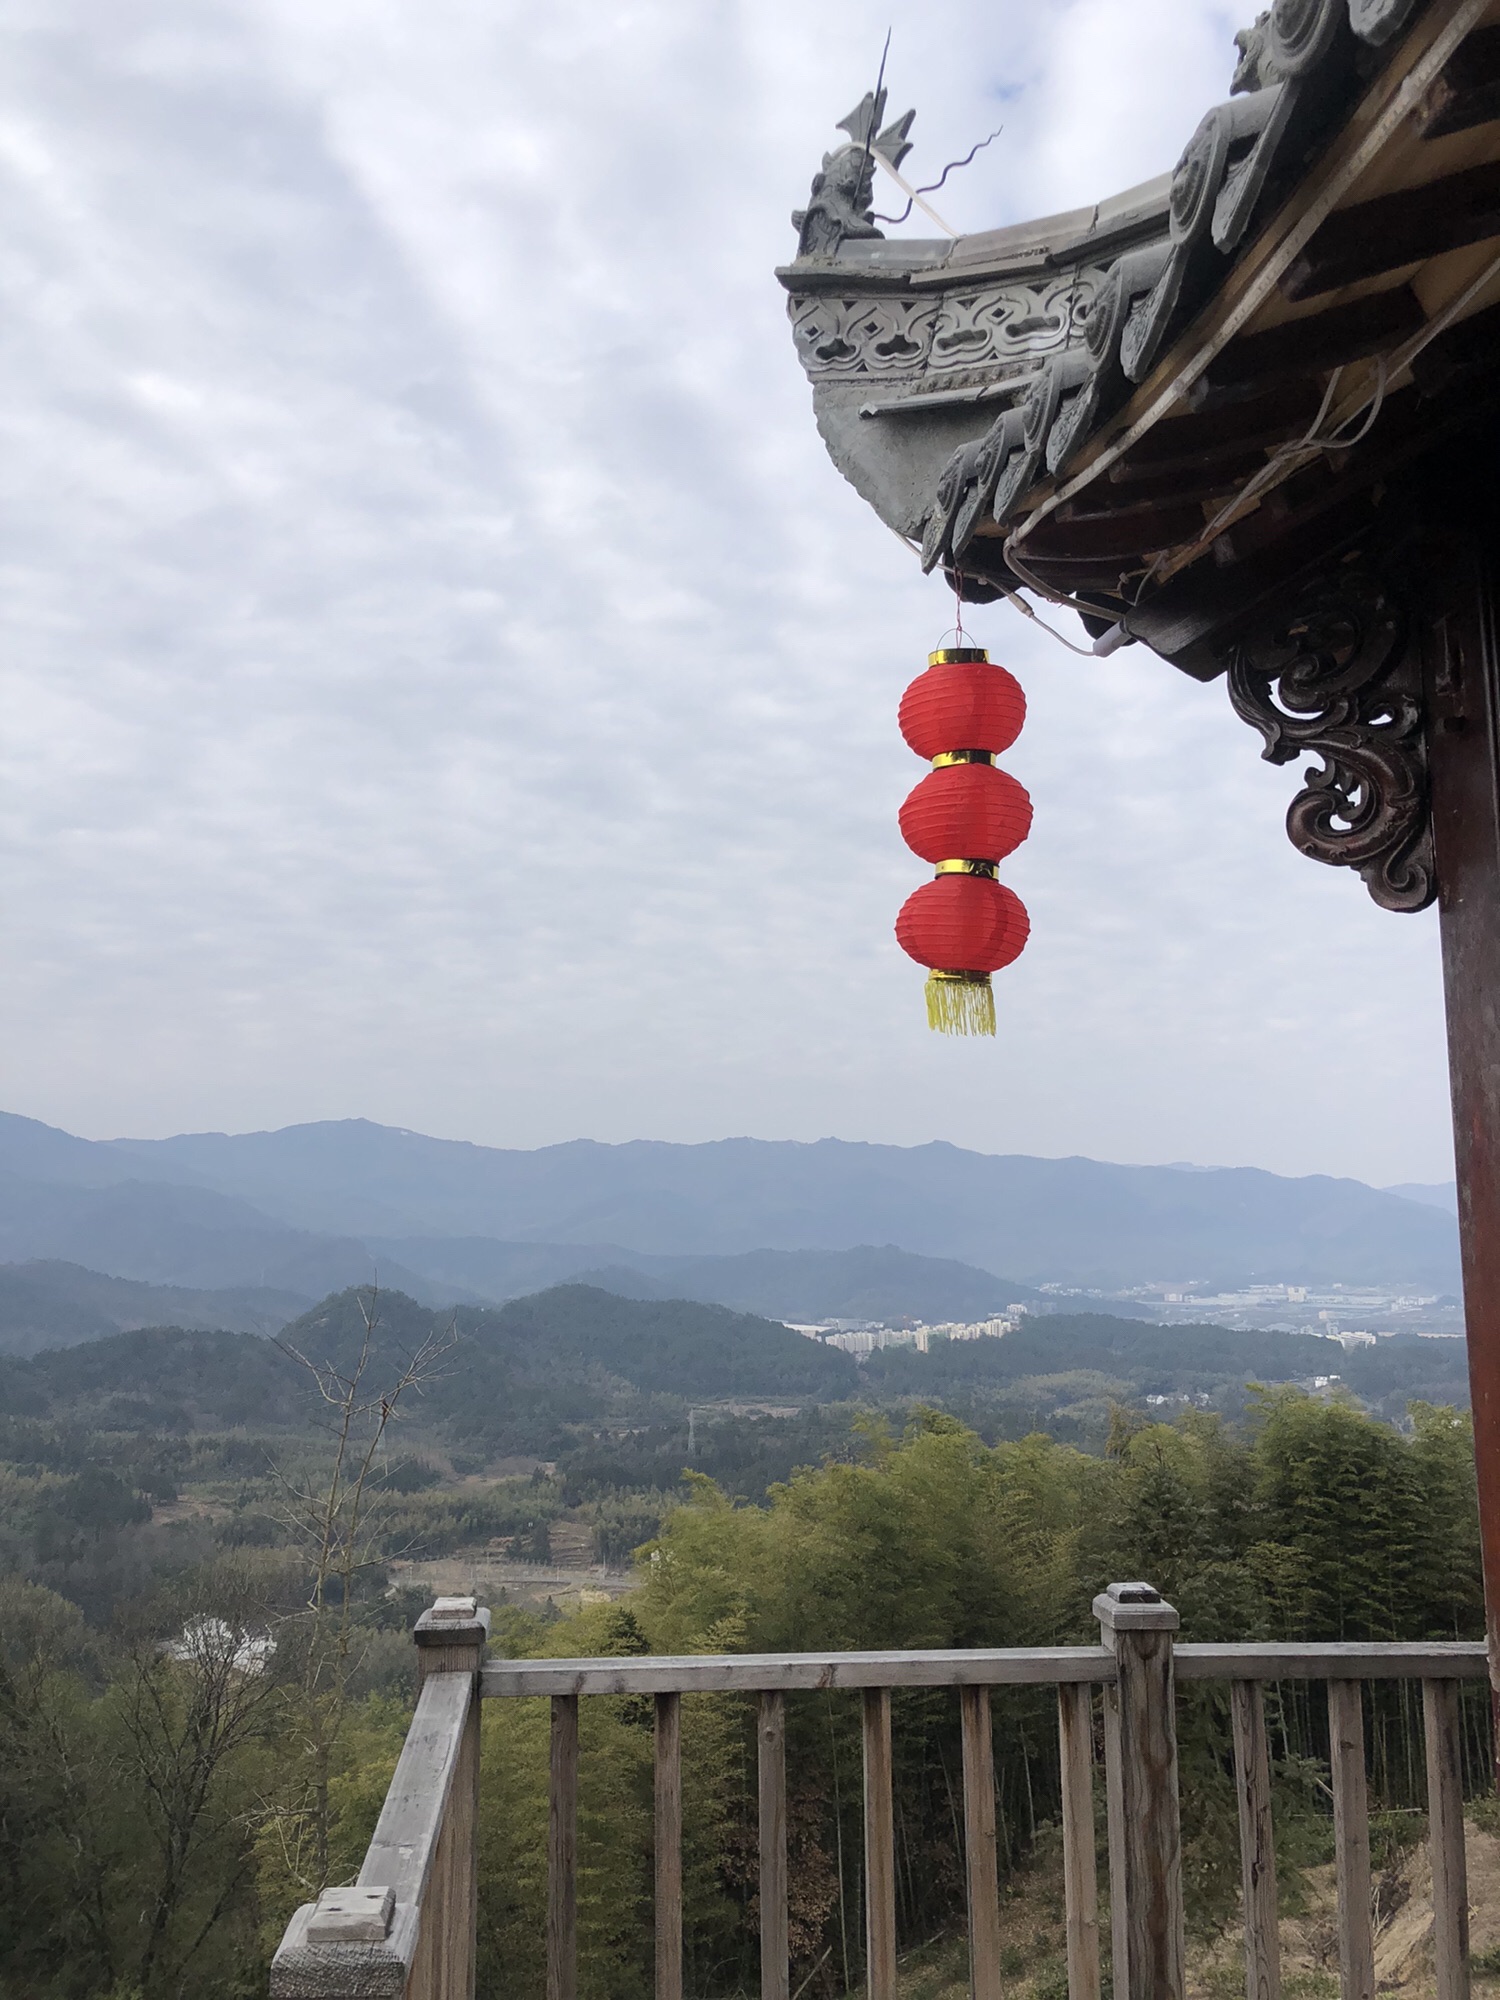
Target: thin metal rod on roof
pixel 877 112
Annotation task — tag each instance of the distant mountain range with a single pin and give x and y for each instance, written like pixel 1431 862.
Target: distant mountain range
pixel 1432 1194
pixel 313 1208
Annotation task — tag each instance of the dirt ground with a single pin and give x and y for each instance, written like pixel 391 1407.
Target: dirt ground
pixel 1033 1965
pixel 1403 1928
pixel 495 1579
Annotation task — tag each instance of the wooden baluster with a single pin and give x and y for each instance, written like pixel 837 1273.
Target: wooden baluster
pixel 1445 1839
pixel 880 1849
pixel 979 1844
pixel 775 1976
pixel 1252 1777
pixel 1140 1748
pixel 669 1847
pixel 1075 1735
pixel 422 1981
pixel 429 1980
pixel 562 1852
pixel 1351 1839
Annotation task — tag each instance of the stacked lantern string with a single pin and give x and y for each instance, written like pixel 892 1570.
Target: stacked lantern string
pixel 964 816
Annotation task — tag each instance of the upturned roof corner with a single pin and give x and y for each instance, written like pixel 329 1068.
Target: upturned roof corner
pixel 1209 369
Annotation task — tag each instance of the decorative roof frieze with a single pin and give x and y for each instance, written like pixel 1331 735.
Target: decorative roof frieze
pixel 976 332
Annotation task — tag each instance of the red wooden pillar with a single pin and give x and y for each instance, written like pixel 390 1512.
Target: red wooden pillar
pixel 1462 671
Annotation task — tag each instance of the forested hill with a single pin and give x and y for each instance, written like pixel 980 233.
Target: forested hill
pixel 507 1378
pixel 548 1373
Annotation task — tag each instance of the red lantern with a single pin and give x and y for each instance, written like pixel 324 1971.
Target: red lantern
pixel 971 811
pixel 967 924
pixel 965 816
pixel 962 702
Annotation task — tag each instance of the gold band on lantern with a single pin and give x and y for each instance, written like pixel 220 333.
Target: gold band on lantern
pixel 958 656
pixel 946 757
pixel 964 868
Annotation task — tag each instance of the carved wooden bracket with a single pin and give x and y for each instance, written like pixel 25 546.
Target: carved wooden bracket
pixel 1333 676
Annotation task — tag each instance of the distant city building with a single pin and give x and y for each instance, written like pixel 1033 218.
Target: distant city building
pixel 860 1339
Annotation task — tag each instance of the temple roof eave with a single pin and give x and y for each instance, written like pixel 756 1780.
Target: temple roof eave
pixel 1019 249
pixel 1096 389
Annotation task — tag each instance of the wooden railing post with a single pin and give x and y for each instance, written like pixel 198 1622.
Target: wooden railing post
pixel 668 1846
pixel 451 1640
pixel 1140 1748
pixel 1075 1734
pixel 880 1848
pixel 1252 1779
pixel 1445 1839
pixel 1351 1839
pixel 981 1856
pixel 562 1851
pixel 775 1969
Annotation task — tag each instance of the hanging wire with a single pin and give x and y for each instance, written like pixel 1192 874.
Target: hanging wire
pixel 1015 598
pixel 1307 447
pixel 933 186
pixel 1034 582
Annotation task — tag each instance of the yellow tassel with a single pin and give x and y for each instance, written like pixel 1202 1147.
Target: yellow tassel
pixel 958 1003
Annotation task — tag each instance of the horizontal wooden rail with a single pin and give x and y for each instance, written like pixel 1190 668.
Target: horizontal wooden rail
pixel 772 1673
pixel 1463 1659
pixel 399 1861
pixel 400 1853
pixel 1016 1666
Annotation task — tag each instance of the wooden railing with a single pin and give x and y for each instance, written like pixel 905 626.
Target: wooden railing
pixel 408 1925
pixel 407 1928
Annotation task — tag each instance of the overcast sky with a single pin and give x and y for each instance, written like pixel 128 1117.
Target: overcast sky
pixel 446 681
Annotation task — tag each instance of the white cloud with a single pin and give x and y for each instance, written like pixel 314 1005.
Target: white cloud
pixel 446 680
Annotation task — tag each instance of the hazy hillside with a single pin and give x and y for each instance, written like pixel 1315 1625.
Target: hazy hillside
pixel 1432 1194
pixel 161 1234
pixel 48 1304
pixel 863 1283
pixel 1071 1221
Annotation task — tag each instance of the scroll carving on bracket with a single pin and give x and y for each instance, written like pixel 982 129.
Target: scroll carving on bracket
pixel 1332 677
